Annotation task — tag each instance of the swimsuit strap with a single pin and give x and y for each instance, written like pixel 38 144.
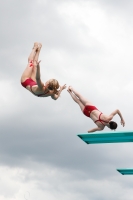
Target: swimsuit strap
pixel 100 120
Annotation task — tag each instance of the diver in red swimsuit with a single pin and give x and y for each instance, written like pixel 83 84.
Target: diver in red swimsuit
pixel 31 77
pixel 97 116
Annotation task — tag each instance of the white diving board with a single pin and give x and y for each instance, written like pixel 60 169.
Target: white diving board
pixel 107 137
pixel 128 171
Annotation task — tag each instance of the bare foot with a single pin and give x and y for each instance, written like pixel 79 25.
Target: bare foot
pixel 35 46
pixel 69 89
pixel 39 45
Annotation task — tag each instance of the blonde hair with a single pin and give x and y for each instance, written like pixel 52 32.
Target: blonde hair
pixel 53 85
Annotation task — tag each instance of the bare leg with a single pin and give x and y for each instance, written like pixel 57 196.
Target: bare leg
pixel 38 52
pixel 33 75
pixel 81 98
pixel 33 52
pixel 76 100
pixel 28 71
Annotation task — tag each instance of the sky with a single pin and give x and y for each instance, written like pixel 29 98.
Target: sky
pixel 88 45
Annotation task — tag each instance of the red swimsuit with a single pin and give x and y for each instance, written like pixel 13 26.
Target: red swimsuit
pixel 30 82
pixel 87 111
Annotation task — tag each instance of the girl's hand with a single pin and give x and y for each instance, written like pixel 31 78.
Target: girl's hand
pixel 38 63
pixel 122 122
pixel 63 87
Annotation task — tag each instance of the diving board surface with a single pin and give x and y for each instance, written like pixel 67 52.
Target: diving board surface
pixel 107 137
pixel 128 171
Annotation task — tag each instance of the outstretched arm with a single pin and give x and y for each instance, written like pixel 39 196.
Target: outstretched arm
pixel 95 129
pixel 56 96
pixel 38 80
pixel 120 115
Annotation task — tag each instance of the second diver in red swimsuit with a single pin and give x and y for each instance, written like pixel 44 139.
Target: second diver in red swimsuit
pixel 97 116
